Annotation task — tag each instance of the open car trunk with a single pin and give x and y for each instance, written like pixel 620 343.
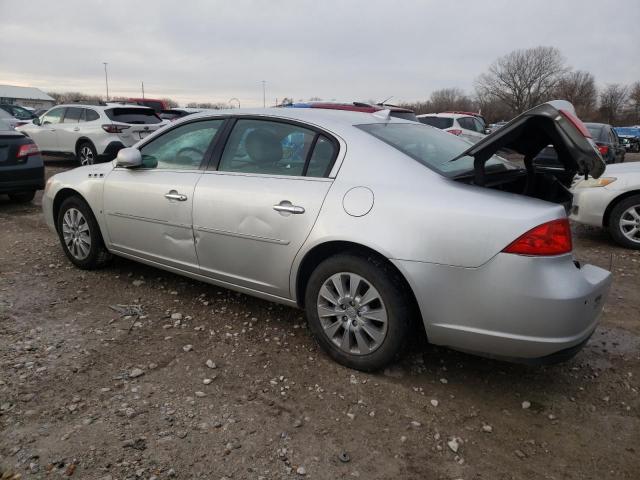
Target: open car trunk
pixel 552 123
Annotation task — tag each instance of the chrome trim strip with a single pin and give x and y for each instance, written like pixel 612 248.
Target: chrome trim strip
pixel 241 235
pixel 150 220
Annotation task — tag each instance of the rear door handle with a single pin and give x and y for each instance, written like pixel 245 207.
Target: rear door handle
pixel 174 195
pixel 285 206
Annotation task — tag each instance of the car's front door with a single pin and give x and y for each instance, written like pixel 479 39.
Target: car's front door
pixel 253 213
pixel 46 134
pixel 148 210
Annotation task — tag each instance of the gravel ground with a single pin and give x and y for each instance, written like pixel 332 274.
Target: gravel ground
pixel 202 382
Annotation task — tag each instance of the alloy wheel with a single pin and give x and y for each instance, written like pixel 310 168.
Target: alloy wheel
pixel 630 223
pixel 352 313
pixel 86 155
pixel 76 234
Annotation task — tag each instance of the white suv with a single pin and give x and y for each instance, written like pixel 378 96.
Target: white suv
pixel 466 126
pixel 92 133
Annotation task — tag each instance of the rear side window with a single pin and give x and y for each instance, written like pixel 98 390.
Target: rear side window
pixel 90 115
pixel 322 158
pixel 438 122
pixel 73 115
pixel 133 115
pixel 597 132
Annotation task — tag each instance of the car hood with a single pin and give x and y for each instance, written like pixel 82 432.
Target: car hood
pixel 529 133
pixel 618 168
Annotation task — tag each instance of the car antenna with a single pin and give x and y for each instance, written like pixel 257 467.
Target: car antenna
pixel 385 100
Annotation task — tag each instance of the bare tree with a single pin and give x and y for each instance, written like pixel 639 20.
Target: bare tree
pixel 579 88
pixel 450 99
pixel 170 102
pixel 70 97
pixel 634 100
pixel 612 101
pixel 523 78
pixel 214 106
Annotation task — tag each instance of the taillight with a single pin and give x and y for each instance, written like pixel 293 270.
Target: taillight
pixel 27 150
pixel 111 128
pixel 551 238
pixel 576 123
pixel 603 149
pixel 455 131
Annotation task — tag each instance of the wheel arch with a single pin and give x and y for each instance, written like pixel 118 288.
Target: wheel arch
pixel 82 140
pixel 60 197
pixel 612 204
pixel 320 252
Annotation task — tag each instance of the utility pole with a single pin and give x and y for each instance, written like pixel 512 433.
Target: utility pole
pixel 106 79
pixel 264 96
pixel 143 89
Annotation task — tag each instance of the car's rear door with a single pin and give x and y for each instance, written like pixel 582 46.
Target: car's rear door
pixel 68 129
pixel 252 214
pixel 148 210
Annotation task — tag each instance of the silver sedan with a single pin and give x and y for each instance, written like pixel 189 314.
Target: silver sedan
pixel 376 226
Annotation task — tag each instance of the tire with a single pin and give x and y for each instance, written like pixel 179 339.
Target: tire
pixel 623 221
pixel 22 197
pixel 83 244
pixel 86 153
pixel 365 352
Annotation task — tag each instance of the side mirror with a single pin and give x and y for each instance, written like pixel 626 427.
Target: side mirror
pixel 129 158
pixel 36 121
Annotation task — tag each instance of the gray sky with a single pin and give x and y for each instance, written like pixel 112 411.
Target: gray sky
pixel 333 49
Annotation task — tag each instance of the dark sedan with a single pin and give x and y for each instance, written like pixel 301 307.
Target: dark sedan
pixel 21 166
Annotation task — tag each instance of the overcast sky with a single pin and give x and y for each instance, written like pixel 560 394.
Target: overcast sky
pixel 333 49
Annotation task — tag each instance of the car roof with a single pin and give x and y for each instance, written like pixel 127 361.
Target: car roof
pixel 103 107
pixel 444 115
pixel 326 118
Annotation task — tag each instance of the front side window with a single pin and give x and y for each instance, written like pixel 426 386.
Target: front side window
pixel 182 148
pixel 432 148
pixel 73 115
pixel 267 147
pixel 53 116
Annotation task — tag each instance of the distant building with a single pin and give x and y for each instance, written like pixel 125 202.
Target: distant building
pixel 25 96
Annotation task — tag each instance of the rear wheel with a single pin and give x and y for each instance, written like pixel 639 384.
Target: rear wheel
pixel 22 197
pixel 624 222
pixel 358 311
pixel 80 235
pixel 86 153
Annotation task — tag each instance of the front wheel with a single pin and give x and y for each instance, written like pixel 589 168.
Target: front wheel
pixel 358 310
pixel 624 222
pixel 80 235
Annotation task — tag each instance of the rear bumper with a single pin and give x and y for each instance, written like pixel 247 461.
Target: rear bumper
pixel 513 307
pixel 22 177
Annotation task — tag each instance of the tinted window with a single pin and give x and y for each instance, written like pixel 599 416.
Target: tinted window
pixel 53 116
pixel 73 114
pixel 183 147
pixel 259 146
pixel 479 126
pixel 90 115
pixel 430 147
pixel 404 115
pixel 19 112
pixel 133 115
pixel 438 122
pixel 322 158
pixel 597 132
pixel 171 114
pixel 467 123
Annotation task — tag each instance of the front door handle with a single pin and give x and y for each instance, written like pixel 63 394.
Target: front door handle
pixel 285 206
pixel 76 129
pixel 174 195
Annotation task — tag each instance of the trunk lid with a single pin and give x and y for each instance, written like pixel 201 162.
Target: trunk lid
pixel 140 122
pixel 553 123
pixel 10 142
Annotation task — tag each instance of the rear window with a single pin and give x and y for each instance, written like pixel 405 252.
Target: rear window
pixel 404 115
pixel 132 115
pixel 169 115
pixel 430 147
pixel 597 132
pixel 438 122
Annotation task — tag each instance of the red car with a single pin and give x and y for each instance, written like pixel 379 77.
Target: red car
pixel 157 104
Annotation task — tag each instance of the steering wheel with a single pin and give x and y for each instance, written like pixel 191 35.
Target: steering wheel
pixel 184 150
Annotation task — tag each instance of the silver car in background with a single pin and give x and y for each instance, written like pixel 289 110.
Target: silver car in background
pixel 376 226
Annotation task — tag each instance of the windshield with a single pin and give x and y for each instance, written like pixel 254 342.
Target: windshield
pixel 432 148
pixel 133 115
pixel 597 131
pixel 438 122
pixel 19 112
